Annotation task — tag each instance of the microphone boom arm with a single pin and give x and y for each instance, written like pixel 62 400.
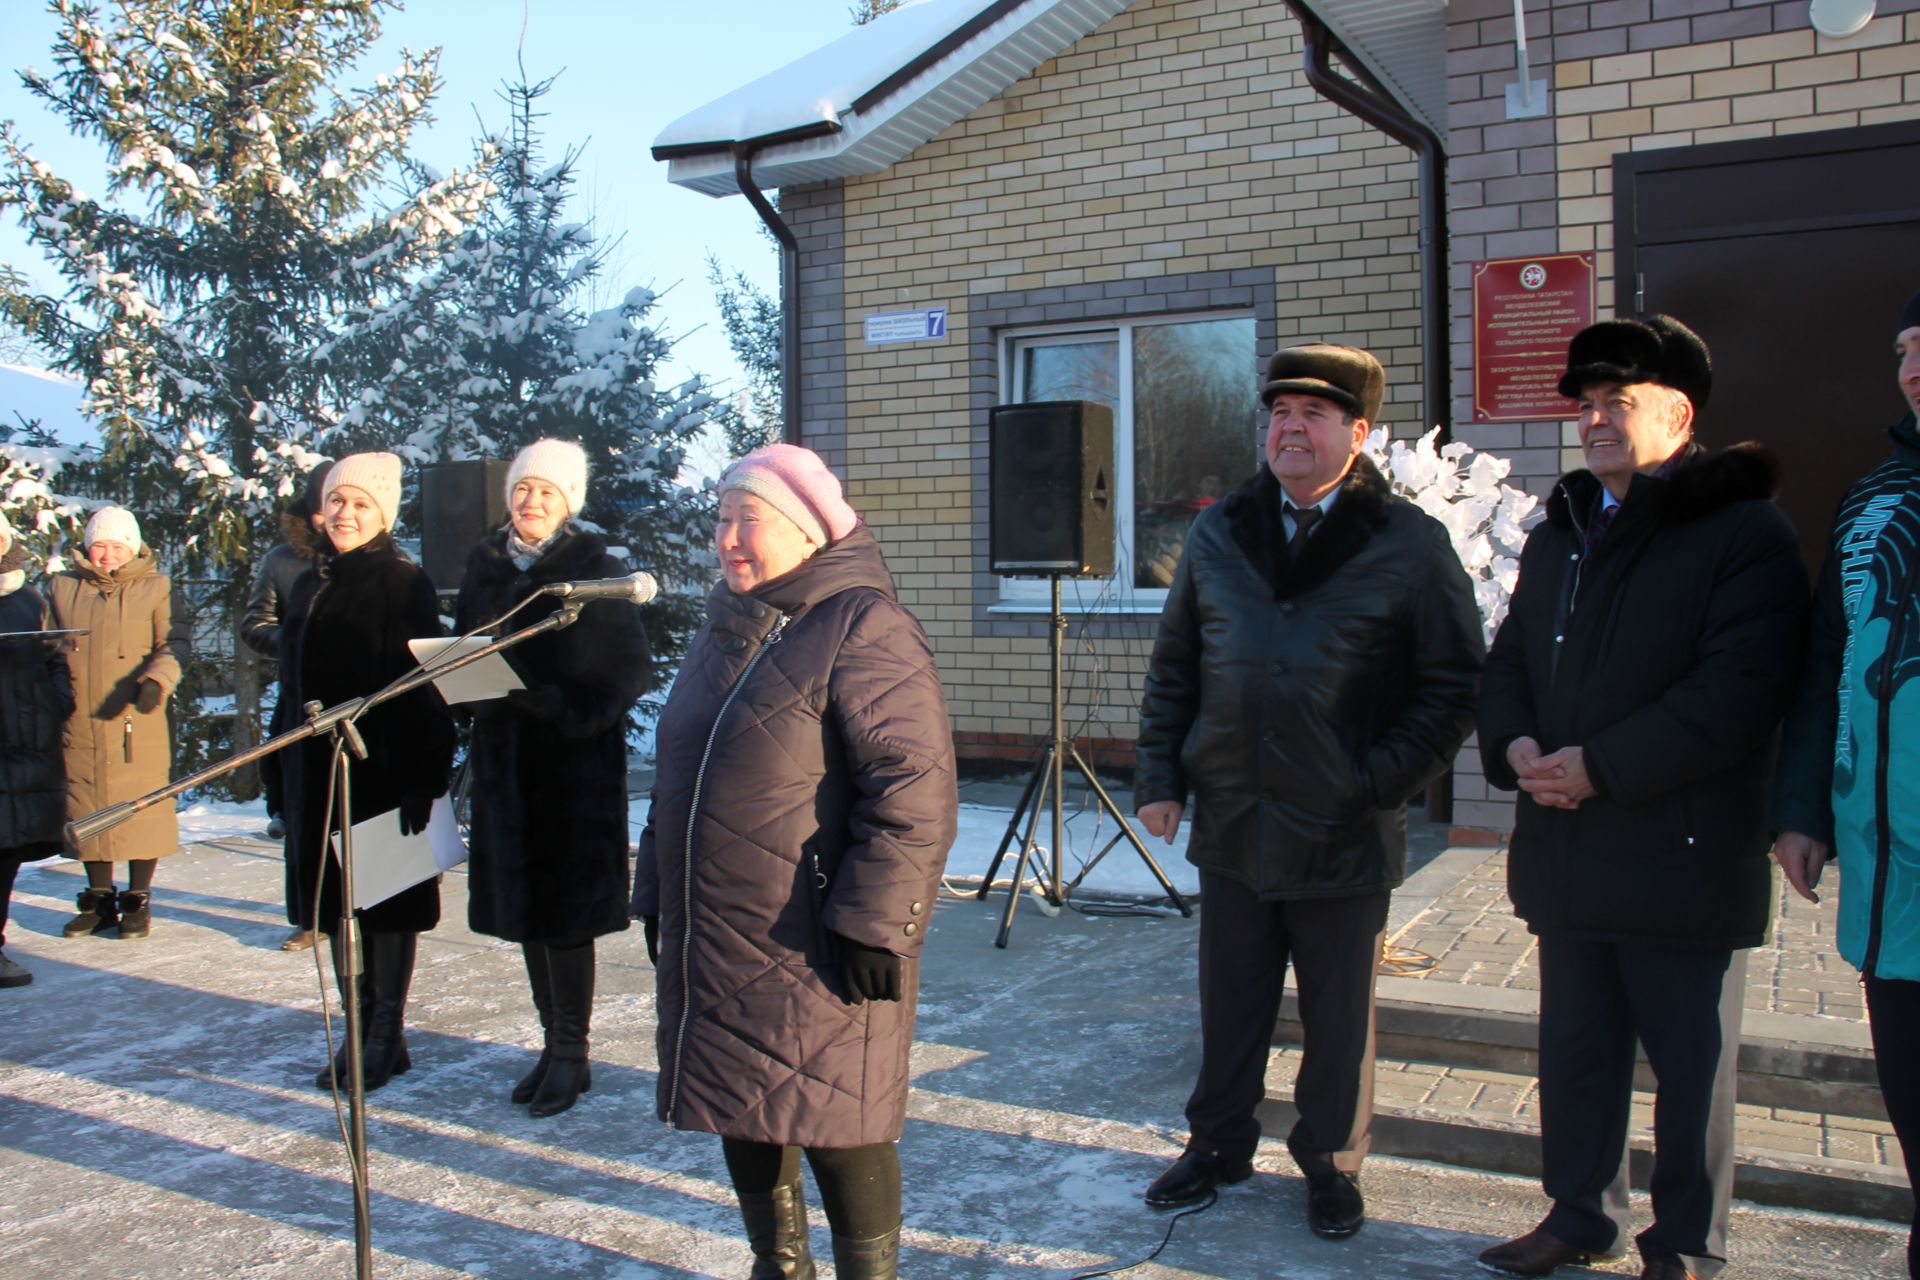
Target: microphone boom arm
pixel 86 828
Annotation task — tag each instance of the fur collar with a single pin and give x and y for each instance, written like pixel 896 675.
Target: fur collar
pixel 1702 484
pixel 1253 515
pixel 307 542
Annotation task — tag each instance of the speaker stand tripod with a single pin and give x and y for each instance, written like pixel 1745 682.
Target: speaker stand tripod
pixel 1044 786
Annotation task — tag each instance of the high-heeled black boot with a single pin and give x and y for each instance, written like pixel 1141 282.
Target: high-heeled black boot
pixel 777 1232
pixel 541 983
pixel 337 1069
pixel 390 958
pixel 569 1074
pixel 876 1258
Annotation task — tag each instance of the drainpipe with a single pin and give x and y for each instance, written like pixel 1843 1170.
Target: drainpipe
pixel 1367 100
pixel 789 290
pixel 1372 104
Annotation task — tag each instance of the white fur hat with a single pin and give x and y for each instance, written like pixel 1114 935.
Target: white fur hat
pixel 561 463
pixel 113 524
pixel 375 474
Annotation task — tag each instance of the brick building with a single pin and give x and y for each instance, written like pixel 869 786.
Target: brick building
pixel 1135 200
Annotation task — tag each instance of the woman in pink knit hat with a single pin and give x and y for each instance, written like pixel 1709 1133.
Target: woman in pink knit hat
pixel 800 819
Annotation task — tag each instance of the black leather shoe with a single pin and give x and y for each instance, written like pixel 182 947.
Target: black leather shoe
pixel 1335 1209
pixel 1538 1253
pixel 1195 1173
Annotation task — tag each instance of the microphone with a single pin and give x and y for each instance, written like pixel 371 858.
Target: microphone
pixel 638 587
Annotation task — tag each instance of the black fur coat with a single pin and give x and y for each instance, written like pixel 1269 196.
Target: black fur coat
pixel 345 636
pixel 549 765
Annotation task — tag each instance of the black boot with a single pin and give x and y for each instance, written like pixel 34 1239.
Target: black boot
pixel 99 912
pixel 777 1232
pixel 569 1074
pixel 337 1070
pixel 877 1258
pixel 136 921
pixel 390 958
pixel 541 983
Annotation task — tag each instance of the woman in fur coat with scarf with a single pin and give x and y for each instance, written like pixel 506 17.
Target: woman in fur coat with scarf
pixel 36 698
pixel 124 669
pixel 549 762
pixel 345 636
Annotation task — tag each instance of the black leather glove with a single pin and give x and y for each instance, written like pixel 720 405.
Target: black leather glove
pixel 871 973
pixel 149 696
pixel 543 702
pixel 415 808
pixel 650 927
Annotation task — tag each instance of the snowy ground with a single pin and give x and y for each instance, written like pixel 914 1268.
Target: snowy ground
pixel 1121 873
pixel 158 1118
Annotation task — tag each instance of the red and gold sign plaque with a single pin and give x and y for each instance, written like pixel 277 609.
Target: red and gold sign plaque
pixel 1525 311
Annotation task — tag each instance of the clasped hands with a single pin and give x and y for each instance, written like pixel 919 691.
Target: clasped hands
pixel 1557 779
pixel 871 973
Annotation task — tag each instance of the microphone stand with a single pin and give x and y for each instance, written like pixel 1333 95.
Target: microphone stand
pixel 338 721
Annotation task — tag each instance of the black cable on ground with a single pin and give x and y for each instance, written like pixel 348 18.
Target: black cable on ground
pixel 1165 1240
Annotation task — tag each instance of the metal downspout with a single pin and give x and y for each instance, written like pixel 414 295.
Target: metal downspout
pixel 1371 104
pixel 789 290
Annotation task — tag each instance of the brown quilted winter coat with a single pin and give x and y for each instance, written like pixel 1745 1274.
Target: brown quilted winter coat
pixel 115 751
pixel 805 790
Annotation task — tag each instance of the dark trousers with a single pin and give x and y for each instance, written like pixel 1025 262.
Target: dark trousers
pixel 1245 946
pixel 1893 1012
pixel 1684 1008
pixel 9 869
pixel 859 1186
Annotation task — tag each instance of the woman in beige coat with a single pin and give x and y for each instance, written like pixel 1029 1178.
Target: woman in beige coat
pixel 117 747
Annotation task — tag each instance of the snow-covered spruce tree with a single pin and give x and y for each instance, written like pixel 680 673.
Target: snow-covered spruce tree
pixel 492 348
pixel 751 318
pixel 191 301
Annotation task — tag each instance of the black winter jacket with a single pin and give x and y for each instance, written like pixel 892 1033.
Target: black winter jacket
pixel 1668 656
pixel 1304 703
pixel 806 790
pixel 548 765
pixel 345 636
pixel 36 697
pixel 273 584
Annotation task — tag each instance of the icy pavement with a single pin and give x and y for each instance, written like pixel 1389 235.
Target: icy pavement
pixel 157 1114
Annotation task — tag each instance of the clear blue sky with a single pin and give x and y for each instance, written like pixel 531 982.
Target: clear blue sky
pixel 629 67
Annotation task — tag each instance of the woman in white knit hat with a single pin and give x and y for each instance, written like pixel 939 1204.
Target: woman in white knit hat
pixel 345 635
pixel 124 669
pixel 549 762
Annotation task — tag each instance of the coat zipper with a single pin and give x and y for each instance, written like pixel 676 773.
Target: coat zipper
pixel 1570 597
pixel 686 873
pixel 1882 808
pixel 126 739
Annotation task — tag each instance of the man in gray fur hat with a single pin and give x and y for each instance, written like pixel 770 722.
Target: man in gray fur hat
pixel 1315 668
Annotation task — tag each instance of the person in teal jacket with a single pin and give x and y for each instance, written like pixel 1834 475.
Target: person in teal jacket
pixel 1849 775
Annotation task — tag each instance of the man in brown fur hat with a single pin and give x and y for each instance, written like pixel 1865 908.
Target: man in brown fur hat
pixel 1314 669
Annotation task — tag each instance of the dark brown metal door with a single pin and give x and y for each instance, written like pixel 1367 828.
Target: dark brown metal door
pixel 1791 257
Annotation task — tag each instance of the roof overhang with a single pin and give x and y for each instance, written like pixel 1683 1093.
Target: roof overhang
pixel 1402 44
pixel 871 98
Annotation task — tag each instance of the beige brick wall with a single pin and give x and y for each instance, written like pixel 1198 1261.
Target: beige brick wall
pixel 1180 140
pixel 1628 75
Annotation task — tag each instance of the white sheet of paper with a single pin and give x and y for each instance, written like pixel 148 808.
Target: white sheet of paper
pixel 490 677
pixel 385 862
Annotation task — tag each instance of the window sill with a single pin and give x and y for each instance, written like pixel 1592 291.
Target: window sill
pixel 1041 609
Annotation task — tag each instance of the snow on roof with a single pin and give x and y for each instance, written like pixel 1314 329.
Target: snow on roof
pixel 52 398
pixel 869 99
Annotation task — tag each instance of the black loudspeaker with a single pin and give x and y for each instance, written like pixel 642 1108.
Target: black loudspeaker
pixel 1050 488
pixel 460 503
